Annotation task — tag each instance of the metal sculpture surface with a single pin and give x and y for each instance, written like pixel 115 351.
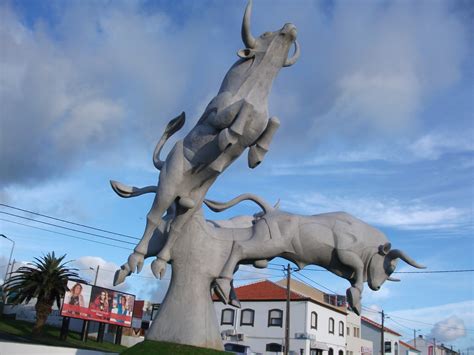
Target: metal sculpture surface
pixel 205 254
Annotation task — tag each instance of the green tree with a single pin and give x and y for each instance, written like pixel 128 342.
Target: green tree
pixel 46 280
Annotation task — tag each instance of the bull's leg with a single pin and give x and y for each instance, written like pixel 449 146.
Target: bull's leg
pixel 261 146
pixel 259 247
pixel 357 282
pixel 158 266
pixel 229 136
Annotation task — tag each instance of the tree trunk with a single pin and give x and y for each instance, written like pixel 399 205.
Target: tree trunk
pixel 43 310
pixel 197 259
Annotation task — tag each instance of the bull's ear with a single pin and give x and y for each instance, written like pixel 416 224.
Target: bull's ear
pixel 246 53
pixel 384 248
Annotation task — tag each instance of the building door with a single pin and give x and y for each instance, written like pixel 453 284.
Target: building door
pixel 315 352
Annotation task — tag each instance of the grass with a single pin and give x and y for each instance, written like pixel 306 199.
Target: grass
pixel 164 348
pixel 51 337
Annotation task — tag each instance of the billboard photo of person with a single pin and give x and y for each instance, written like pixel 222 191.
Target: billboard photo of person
pixel 76 300
pixel 122 309
pixel 100 303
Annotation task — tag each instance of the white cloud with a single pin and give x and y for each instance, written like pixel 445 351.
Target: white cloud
pixel 386 212
pixel 432 146
pixel 447 321
pixel 448 329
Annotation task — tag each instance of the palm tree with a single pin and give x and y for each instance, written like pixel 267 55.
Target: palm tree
pixel 46 280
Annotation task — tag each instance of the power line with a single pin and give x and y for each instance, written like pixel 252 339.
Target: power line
pixel 71 229
pixel 396 272
pixel 64 234
pixel 300 274
pixel 66 221
pixel 417 321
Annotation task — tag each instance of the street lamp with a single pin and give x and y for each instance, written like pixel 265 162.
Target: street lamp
pixel 96 273
pixel 11 253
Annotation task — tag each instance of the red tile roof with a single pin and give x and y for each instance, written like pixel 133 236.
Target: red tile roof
pixel 378 326
pixel 264 291
pixel 408 346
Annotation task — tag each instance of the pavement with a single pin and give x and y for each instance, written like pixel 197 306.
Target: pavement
pixel 18 347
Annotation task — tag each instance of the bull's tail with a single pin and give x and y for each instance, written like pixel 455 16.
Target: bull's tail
pixel 173 126
pixel 222 206
pixel 126 191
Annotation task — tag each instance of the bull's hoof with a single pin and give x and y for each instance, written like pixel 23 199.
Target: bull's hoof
pixel 226 139
pixel 135 261
pixel 260 264
pixel 353 298
pixel 158 267
pixel 235 302
pixel 186 203
pixel 222 288
pixel 121 274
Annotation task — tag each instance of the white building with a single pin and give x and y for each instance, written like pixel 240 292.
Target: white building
pixel 371 331
pixel 429 346
pixel 355 344
pixel 315 326
pixel 407 349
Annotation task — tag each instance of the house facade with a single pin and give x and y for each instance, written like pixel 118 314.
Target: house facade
pixel 355 344
pixel 316 327
pixel 407 349
pixel 428 346
pixel 372 331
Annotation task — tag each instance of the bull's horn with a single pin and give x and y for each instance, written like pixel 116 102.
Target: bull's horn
pixel 247 37
pixel 393 279
pixel 395 253
pixel 290 61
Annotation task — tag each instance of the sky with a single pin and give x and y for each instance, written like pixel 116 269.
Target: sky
pixel 376 120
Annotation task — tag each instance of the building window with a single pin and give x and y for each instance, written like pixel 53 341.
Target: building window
pixel 388 347
pixel 275 318
pixel 274 347
pixel 341 352
pixel 356 332
pixel 331 326
pixel 227 316
pixel 396 348
pixel 247 317
pixel 314 320
pixel 341 329
pixel 331 351
pixel 348 331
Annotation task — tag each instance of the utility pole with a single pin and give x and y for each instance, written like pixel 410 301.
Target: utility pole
pixel 434 347
pixel 287 322
pixel 85 323
pixel 96 274
pixel 11 254
pixel 382 342
pixel 414 336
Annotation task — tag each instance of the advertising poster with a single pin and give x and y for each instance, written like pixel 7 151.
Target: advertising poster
pixel 98 304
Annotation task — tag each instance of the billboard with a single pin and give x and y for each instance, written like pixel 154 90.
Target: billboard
pixel 98 304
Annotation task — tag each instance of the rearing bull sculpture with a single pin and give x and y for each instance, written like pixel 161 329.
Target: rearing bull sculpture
pixel 234 120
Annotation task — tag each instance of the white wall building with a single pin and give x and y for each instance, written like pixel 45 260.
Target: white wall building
pixel 355 344
pixel 429 346
pixel 371 331
pixel 315 326
pixel 407 349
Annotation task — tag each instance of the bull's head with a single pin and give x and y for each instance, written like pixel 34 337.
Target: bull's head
pixel 273 45
pixel 383 264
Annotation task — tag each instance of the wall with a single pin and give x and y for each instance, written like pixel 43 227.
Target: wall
pixel 372 334
pixel 356 345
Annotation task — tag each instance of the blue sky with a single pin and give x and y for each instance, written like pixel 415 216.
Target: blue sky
pixel 376 120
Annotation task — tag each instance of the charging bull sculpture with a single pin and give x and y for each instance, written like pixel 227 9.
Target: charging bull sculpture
pixel 336 241
pixel 234 120
pixel 206 254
